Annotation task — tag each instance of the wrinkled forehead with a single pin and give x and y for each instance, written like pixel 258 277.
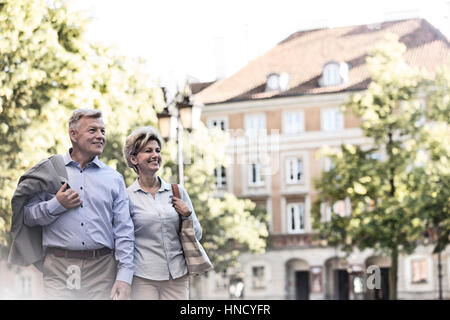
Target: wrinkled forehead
pixel 92 122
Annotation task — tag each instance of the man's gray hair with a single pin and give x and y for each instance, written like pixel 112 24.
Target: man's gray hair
pixel 74 120
pixel 137 140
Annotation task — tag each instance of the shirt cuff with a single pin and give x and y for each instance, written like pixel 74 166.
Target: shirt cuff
pixel 125 275
pixel 54 207
pixel 186 218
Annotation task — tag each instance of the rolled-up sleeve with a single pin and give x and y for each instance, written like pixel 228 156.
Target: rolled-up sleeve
pixel 42 210
pixel 123 230
pixel 197 227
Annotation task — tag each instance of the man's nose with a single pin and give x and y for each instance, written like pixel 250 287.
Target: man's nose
pixel 99 135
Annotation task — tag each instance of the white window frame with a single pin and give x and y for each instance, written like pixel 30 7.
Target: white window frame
pixel 296 211
pixel 259 175
pixel 423 262
pixel 292 170
pixel 332 120
pixel 290 126
pixel 220 120
pixel 331 74
pixel 255 124
pixel 221 182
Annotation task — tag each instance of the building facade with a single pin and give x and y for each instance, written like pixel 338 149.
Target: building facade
pixel 280 111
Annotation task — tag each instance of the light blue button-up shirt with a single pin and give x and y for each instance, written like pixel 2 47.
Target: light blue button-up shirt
pixel 158 251
pixel 103 219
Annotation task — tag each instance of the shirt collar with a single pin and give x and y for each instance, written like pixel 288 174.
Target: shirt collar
pixel 164 186
pixel 68 159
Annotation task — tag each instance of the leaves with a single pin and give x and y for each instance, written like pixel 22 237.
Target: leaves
pixel 397 183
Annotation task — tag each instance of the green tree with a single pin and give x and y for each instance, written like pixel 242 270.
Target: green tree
pixel 48 69
pixel 378 178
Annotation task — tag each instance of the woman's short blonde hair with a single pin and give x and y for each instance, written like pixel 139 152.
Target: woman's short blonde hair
pixel 137 140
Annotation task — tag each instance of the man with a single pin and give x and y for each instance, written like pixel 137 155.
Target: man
pixel 87 222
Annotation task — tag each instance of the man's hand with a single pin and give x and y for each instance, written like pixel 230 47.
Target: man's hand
pixel 68 198
pixel 121 291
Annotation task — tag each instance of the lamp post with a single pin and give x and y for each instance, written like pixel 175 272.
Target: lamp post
pixel 184 116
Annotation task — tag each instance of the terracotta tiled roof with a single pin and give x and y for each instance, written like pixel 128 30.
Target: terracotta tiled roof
pixel 303 55
pixel 199 86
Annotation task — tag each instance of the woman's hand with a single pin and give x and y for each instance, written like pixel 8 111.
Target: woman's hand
pixel 181 207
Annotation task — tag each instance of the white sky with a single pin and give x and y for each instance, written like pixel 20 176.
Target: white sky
pixel 204 39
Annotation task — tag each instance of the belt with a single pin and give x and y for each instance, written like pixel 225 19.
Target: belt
pixel 79 254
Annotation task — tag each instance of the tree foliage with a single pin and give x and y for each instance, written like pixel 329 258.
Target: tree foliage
pixel 384 179
pixel 48 69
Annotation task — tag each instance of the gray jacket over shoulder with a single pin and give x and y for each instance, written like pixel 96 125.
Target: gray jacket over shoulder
pixel 46 176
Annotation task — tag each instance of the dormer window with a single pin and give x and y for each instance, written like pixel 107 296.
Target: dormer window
pixel 334 73
pixel 277 82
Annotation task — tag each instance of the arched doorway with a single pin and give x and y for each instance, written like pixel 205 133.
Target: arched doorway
pixel 384 265
pixel 337 279
pixel 298 279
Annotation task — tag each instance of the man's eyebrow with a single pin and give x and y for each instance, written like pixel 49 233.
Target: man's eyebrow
pixel 96 127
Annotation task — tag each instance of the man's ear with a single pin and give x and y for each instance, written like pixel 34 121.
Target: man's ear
pixel 73 134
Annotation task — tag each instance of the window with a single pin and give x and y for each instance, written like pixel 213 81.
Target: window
pixel 221 280
pixel 221 177
pixel 419 271
pixel 296 217
pixel 276 81
pixel 294 170
pixel 332 120
pixel 293 122
pixel 255 124
pixel 258 277
pixel 221 123
pixel 341 208
pixel 331 75
pixel 256 176
pixel 25 282
pixel 328 164
pixel 334 73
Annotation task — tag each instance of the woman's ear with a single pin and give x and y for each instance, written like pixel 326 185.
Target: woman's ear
pixel 133 160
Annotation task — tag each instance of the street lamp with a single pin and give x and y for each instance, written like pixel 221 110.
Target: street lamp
pixel 184 115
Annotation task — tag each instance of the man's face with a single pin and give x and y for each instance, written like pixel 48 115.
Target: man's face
pixel 89 137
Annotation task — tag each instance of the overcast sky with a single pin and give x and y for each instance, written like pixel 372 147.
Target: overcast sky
pixel 206 39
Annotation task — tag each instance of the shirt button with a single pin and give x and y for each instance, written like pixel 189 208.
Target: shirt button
pixel 82 243
pixel 81 171
pixel 81 188
pixel 82 224
pixel 81 205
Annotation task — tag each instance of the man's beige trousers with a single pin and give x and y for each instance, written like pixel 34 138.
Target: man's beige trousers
pixel 79 279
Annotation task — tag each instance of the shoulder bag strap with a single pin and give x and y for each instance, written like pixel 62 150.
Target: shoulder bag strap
pixel 176 193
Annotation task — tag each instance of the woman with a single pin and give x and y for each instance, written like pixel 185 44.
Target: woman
pixel 161 271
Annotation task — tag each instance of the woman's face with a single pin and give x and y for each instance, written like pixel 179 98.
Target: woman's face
pixel 148 160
